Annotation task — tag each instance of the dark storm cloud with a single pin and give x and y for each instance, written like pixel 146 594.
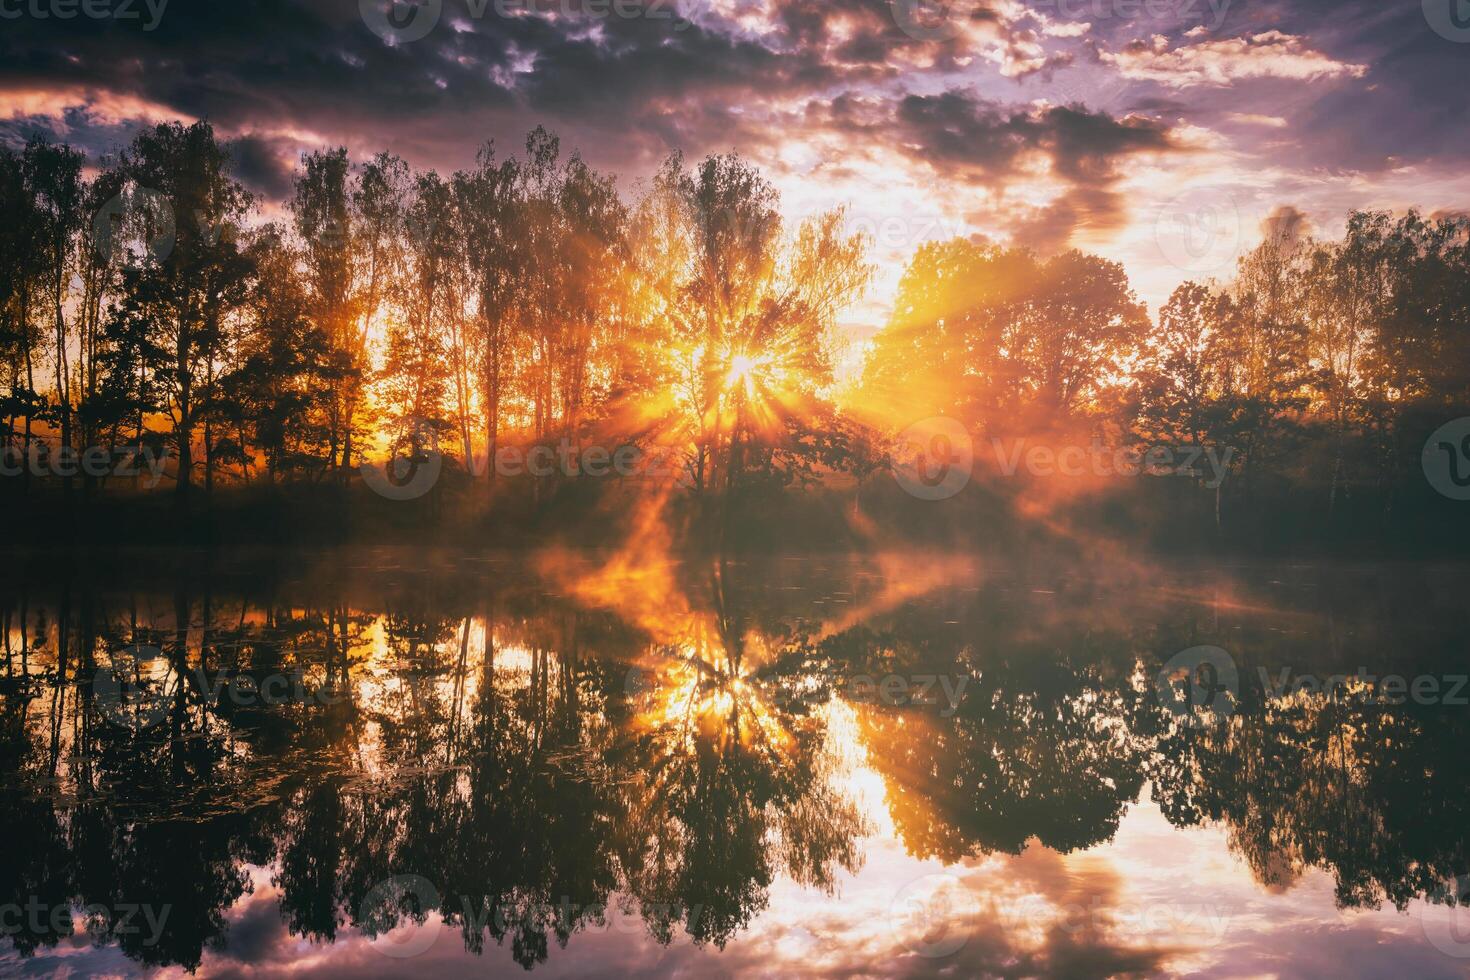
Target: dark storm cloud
pixel 964 138
pixel 269 64
pixel 1286 225
pixel 243 65
pixel 1086 146
pixel 652 64
pixel 1050 228
pixel 631 83
pixel 263 165
pixel 1011 92
pixel 960 135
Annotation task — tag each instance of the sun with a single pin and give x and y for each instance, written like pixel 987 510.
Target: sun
pixel 742 367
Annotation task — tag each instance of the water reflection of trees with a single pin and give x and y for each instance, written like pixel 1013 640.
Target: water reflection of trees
pixel 537 761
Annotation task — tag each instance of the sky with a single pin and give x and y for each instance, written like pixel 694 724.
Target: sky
pixel 1164 134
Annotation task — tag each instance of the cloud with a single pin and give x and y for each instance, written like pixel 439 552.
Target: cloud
pixel 1269 54
pixel 964 138
pixel 961 135
pixel 1287 226
pixel 263 163
pixel 1257 119
pixel 829 96
pixel 101 107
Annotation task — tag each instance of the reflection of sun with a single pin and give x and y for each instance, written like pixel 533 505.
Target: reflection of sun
pixel 693 697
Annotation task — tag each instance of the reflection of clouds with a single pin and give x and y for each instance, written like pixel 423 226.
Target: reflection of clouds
pixel 1019 931
pixel 84 961
pixel 1149 897
pixel 1381 948
pixel 257 937
pixel 1037 914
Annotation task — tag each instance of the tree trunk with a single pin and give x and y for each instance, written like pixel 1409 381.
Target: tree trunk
pixel 63 379
pixel 184 435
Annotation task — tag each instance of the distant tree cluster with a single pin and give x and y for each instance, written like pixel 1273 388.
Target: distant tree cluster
pixel 1317 362
pixel 1318 355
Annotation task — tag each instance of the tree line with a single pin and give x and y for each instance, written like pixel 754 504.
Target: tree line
pixel 1321 363
pixel 153 301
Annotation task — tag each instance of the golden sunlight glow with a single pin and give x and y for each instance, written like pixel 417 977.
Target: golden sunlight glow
pixel 742 367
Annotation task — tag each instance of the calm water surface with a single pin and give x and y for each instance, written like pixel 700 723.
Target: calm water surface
pixel 404 765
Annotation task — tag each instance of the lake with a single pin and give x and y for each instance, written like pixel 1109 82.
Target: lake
pixel 408 763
